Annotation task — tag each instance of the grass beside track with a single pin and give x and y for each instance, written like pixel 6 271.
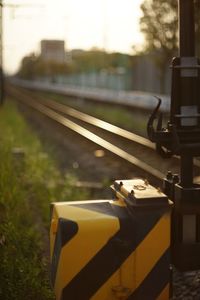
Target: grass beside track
pixel 29 181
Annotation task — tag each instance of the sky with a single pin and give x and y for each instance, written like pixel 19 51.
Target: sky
pixel 109 24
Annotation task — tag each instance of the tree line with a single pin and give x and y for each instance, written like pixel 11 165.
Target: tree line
pixel 79 61
pixel 158 23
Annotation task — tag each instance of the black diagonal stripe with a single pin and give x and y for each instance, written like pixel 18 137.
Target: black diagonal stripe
pixel 155 281
pixel 100 207
pixel 65 232
pixel 133 229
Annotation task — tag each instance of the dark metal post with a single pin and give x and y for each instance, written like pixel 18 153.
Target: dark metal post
pixel 186 28
pixel 188 95
pixel 186 177
pixel 182 137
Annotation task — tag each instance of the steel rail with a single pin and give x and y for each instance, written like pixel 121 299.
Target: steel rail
pixel 94 121
pixel 92 137
pixel 102 124
pixel 99 123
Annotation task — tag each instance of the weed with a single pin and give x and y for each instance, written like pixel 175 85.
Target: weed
pixel 27 186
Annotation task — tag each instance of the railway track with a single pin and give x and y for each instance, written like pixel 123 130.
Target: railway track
pixel 134 149
pixel 96 131
pixel 74 120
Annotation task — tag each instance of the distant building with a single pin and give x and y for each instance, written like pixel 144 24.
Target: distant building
pixel 53 50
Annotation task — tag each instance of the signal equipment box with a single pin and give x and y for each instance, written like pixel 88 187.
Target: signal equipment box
pixel 112 249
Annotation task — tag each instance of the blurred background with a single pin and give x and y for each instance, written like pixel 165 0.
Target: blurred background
pixel 123 45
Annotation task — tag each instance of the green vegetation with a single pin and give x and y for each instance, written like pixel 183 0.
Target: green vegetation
pixel 32 66
pixel 28 183
pixel 159 23
pixel 93 60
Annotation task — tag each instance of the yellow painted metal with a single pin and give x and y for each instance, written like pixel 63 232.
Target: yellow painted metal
pixel 138 265
pixel 95 229
pixel 151 249
pixel 165 293
pixel 60 210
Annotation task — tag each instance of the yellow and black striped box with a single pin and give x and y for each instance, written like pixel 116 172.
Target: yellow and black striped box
pixel 106 250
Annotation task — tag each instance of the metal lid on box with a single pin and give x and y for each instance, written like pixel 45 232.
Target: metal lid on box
pixel 138 192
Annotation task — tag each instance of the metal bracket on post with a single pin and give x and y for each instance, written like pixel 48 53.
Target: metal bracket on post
pixel 181 137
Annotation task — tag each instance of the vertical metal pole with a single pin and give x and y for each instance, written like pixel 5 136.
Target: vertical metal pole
pixel 186 49
pixel 186 171
pixel 186 28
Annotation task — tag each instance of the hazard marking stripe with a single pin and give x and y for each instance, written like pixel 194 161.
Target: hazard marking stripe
pixel 165 293
pixel 142 260
pixel 154 283
pixel 68 226
pixel 147 253
pixel 133 229
pixel 90 223
pixel 66 230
